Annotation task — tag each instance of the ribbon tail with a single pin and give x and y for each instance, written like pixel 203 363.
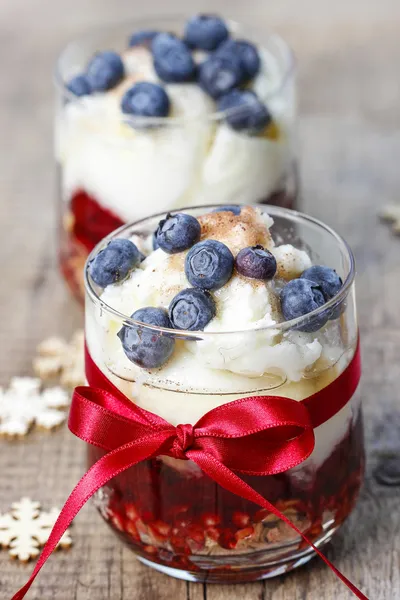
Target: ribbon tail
pixel 231 482
pixel 107 467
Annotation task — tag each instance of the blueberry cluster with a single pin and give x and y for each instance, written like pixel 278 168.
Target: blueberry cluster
pixel 103 72
pixel 209 265
pixel 228 68
pixel 310 291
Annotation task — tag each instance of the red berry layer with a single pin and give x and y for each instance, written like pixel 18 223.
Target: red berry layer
pixel 91 222
pixel 173 517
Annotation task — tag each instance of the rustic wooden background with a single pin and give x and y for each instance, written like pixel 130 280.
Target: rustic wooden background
pixel 349 55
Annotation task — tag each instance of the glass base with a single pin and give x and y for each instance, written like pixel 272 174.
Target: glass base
pixel 268 570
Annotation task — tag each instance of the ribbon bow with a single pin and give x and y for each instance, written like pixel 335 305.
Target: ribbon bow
pixel 261 435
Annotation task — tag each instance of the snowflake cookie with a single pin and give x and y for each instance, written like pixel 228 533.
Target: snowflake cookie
pixel 391 213
pixel 59 359
pixel 26 528
pixel 24 404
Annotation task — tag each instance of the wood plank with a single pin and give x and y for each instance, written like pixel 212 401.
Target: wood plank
pixel 349 147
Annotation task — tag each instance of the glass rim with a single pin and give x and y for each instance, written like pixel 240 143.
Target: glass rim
pixel 143 22
pixel 195 335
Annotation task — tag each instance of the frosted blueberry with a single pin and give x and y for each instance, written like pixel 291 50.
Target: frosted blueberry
pixel 146 347
pixel 206 32
pixel 105 71
pixel 177 232
pixel 244 111
pixel 256 262
pixel 191 309
pixel 209 265
pixel 114 263
pixel 173 60
pixel 298 298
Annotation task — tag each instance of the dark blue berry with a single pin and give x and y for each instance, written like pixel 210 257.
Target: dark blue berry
pixel 154 241
pixel 206 32
pixel 173 60
pixel 105 71
pixel 256 262
pixel 236 210
pixel 142 38
pixel 114 263
pixel 177 232
pixel 218 75
pixel 191 309
pixel 146 347
pixel 145 99
pixel 247 54
pixel 79 85
pixel 244 111
pixel 298 298
pixel 209 265
pixel 327 279
pixel 330 284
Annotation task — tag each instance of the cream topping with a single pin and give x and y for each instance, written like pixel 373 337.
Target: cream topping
pixel 242 304
pixel 134 172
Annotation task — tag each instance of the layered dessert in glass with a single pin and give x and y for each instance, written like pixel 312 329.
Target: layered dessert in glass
pixel 190 311
pixel 160 114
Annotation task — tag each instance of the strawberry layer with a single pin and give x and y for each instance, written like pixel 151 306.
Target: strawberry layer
pixel 91 222
pixel 169 515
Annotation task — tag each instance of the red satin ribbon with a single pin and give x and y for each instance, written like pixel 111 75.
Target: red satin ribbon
pixel 270 434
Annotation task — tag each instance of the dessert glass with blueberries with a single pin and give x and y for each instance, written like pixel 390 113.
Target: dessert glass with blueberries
pixel 160 114
pixel 192 310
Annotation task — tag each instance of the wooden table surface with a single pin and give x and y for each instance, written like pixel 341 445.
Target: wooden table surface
pixel 349 57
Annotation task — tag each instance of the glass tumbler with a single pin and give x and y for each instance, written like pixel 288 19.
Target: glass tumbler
pixel 113 169
pixel 172 515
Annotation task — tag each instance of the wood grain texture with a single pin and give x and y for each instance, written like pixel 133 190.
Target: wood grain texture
pixel 349 146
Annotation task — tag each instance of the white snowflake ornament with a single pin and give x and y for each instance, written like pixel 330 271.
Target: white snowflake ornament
pixel 57 358
pixel 25 529
pixel 24 404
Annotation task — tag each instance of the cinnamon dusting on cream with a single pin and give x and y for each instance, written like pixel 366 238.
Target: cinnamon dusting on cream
pixel 236 231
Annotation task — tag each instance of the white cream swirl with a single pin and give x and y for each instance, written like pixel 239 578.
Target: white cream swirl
pixel 198 160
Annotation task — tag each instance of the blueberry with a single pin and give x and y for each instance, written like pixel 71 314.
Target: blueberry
pixel 114 263
pixel 206 32
pixel 191 309
pixel 329 282
pixel 79 85
pixel 146 347
pixel 244 111
pixel 209 265
pixel 177 232
pixel 142 38
pixel 154 241
pixel 236 210
pixel 219 75
pixel 145 99
pixel 105 71
pixel 173 60
pixel 256 262
pixel 298 298
pixel 246 52
pixel 327 279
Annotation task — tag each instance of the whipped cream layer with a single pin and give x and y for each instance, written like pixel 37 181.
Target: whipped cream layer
pixel 198 160
pixel 243 351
